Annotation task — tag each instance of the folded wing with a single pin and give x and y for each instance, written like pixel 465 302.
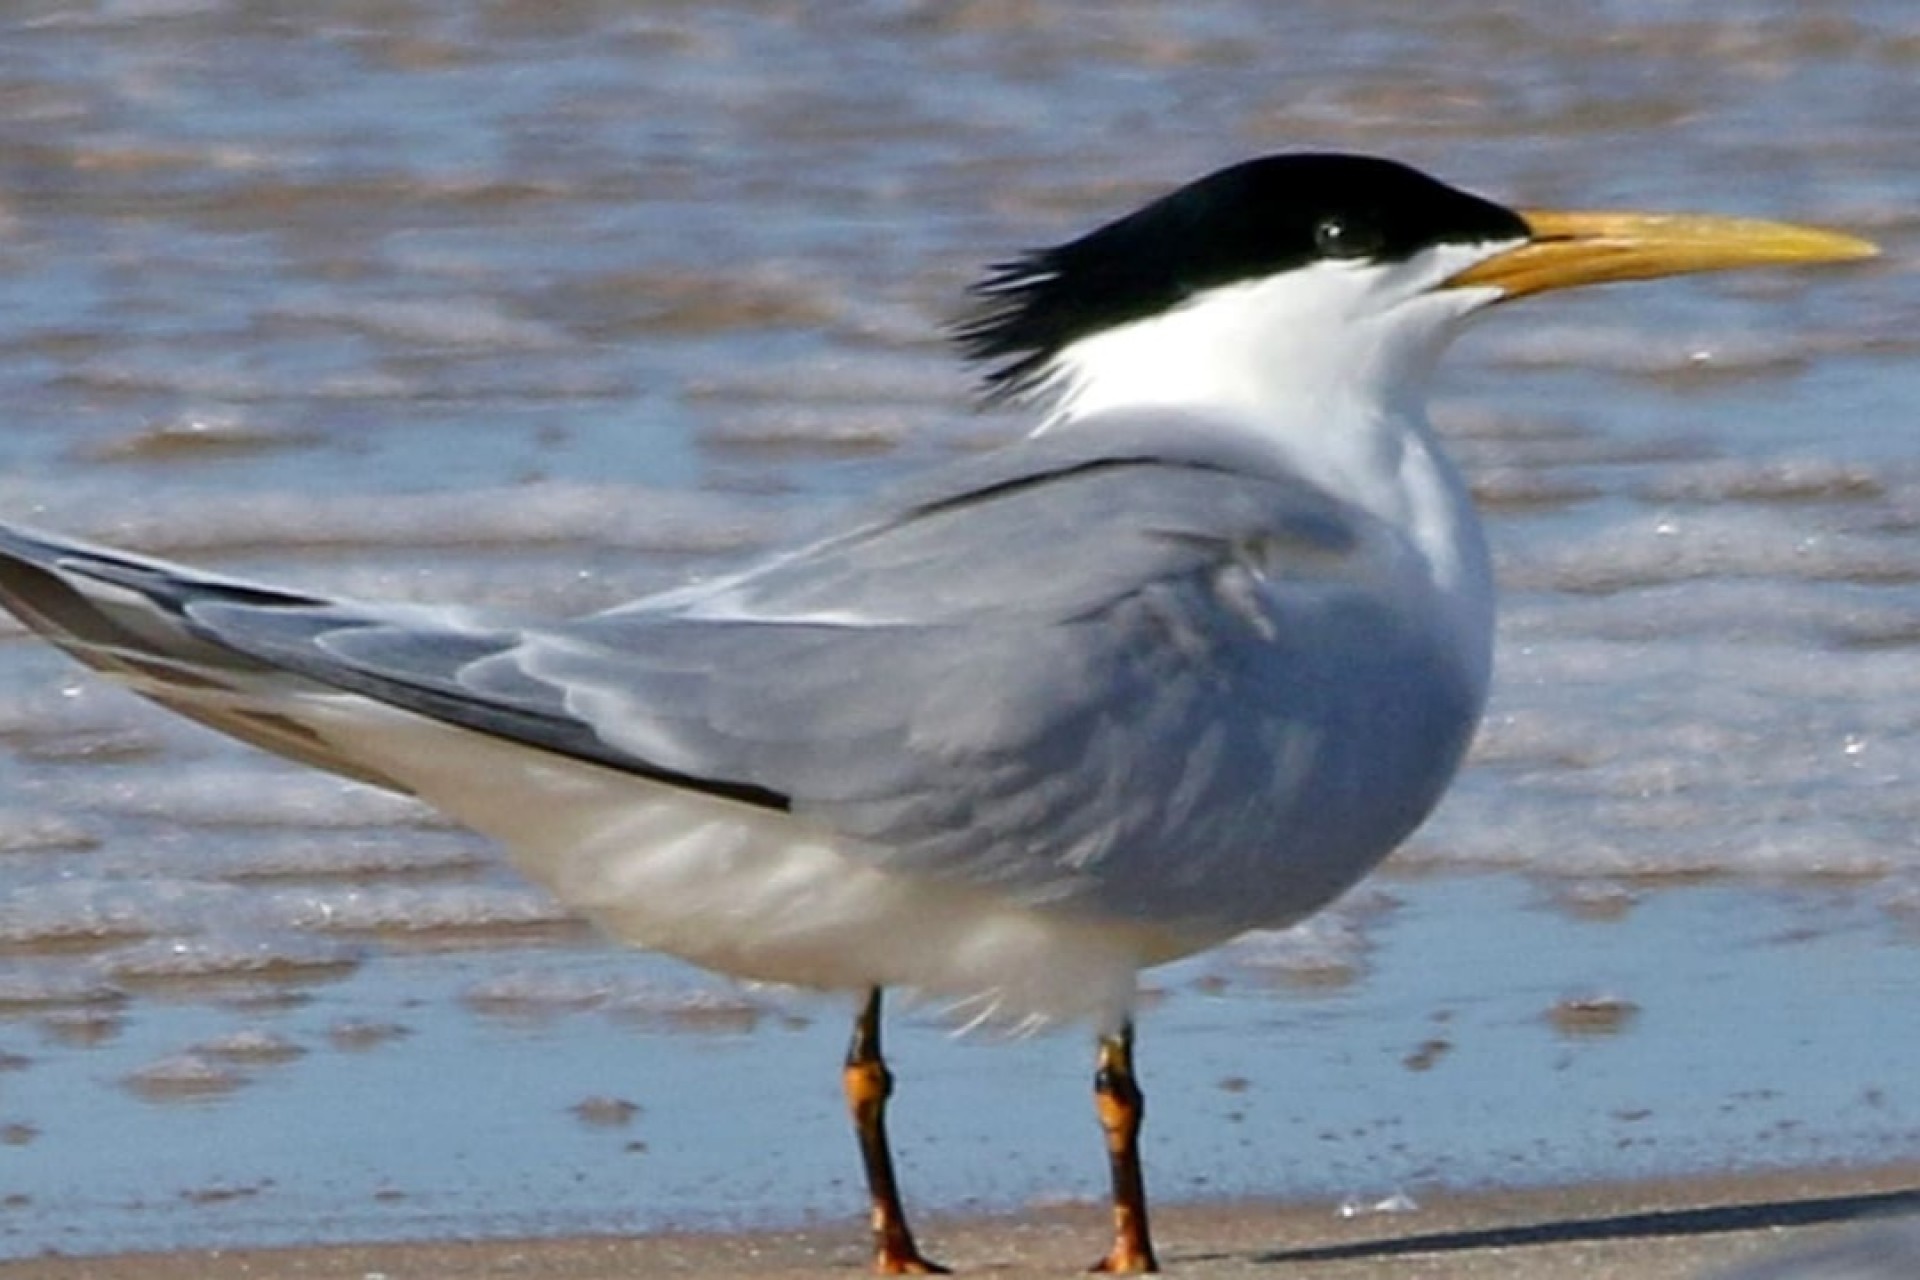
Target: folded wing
pixel 1058 657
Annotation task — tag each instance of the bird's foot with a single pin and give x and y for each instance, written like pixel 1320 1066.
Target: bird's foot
pixel 1127 1258
pixel 905 1262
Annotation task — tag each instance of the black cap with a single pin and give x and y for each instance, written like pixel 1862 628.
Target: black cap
pixel 1246 222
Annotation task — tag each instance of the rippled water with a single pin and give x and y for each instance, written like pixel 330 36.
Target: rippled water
pixel 541 304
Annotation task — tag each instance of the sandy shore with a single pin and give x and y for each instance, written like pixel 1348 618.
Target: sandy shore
pixel 1640 1231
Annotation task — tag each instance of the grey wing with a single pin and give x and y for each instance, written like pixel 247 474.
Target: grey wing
pixel 140 620
pixel 1035 672
pixel 1038 672
pixel 235 654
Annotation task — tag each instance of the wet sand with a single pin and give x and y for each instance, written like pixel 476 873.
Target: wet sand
pixel 1638 1231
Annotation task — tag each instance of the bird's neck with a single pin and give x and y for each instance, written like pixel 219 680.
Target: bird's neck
pixel 1330 377
pixel 1335 388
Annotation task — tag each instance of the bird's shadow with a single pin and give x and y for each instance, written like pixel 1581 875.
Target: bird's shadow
pixel 1714 1220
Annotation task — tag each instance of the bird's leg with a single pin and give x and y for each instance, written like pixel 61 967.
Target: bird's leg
pixel 1117 1096
pixel 869 1084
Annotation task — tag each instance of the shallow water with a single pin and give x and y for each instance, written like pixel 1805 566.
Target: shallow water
pixel 539 305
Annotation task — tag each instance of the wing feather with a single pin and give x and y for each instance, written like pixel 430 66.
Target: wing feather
pixel 1037 665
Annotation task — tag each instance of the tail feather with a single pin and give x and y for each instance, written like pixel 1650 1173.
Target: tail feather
pixel 258 662
pixel 124 615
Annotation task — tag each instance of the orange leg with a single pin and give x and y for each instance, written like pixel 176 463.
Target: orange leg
pixel 869 1084
pixel 1121 1105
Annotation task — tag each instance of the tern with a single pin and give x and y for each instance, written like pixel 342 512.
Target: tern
pixel 1188 660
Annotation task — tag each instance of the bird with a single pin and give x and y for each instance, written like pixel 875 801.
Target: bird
pixel 1187 660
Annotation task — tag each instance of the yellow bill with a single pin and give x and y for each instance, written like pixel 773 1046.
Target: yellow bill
pixel 1570 249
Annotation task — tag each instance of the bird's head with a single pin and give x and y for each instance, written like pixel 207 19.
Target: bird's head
pixel 1307 281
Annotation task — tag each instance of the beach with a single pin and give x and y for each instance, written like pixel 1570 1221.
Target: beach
pixel 1678 1230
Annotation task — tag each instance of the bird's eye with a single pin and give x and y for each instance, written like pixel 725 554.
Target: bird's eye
pixel 1338 236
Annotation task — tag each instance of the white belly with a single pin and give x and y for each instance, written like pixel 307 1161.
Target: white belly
pixel 745 891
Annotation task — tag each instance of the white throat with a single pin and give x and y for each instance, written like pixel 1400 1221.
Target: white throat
pixel 1333 354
